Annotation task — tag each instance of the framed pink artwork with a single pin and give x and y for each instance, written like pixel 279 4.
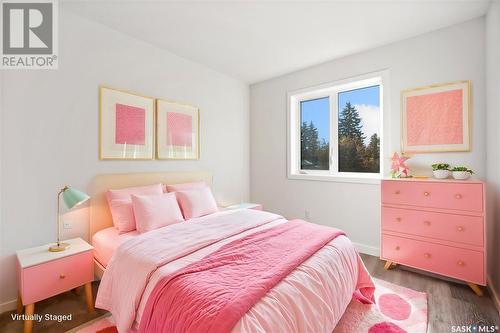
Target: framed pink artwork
pixel 126 125
pixel 436 118
pixel 177 131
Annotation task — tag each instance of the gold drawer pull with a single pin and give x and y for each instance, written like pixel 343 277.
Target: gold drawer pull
pixel 458 196
pixel 426 194
pixel 398 219
pixel 427 223
pixel 460 263
pixel 460 228
pixel 62 276
pixel 397 192
pixel 397 248
pixel 427 255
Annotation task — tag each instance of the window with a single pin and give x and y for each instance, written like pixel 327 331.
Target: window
pixel 336 130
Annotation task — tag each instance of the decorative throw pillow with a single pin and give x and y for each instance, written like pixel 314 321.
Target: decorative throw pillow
pixel 197 202
pixel 155 211
pixel 120 204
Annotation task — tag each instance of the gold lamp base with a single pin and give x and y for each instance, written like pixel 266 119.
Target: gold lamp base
pixel 59 247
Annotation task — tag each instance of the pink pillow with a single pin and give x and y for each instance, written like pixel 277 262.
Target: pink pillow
pixel 196 203
pixel 123 214
pixel 155 211
pixel 120 204
pixel 185 186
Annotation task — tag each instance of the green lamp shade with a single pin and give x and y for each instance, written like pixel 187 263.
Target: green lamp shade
pixel 72 197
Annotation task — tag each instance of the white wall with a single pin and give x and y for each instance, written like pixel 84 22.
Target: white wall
pixel 493 140
pixel 451 54
pixel 51 122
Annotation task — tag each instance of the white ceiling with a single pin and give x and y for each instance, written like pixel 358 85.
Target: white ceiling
pixel 257 40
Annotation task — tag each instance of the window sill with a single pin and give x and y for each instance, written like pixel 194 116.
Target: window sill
pixel 367 179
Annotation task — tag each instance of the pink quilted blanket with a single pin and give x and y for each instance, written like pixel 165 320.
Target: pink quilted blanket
pixel 212 295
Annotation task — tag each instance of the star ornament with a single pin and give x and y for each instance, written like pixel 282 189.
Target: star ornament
pixel 398 167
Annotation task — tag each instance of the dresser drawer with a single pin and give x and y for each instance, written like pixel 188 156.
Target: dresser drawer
pixel 451 227
pixel 458 196
pixel 458 263
pixel 54 277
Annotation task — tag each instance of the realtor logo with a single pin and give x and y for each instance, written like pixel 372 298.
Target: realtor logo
pixel 29 34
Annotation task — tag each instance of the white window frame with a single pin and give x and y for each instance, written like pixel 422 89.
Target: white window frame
pixel 331 90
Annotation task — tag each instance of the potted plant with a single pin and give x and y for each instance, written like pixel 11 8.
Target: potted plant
pixel 461 172
pixel 441 170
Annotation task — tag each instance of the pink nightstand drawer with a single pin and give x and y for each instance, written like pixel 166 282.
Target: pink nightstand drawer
pixel 455 228
pixel 457 196
pixel 441 259
pixel 51 278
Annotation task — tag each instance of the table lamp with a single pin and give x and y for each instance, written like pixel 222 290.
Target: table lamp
pixel 72 198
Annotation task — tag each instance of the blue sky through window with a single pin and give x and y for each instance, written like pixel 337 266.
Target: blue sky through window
pixel 317 111
pixel 368 96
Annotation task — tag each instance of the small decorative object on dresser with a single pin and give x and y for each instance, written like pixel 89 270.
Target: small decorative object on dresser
pixel 441 170
pixel 436 226
pixel 399 169
pixel 245 205
pixel 42 274
pixel 461 172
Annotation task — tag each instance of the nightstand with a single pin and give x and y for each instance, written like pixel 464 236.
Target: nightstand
pixel 245 205
pixel 42 274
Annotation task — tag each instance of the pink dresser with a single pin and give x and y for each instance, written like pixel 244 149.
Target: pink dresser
pixel 436 226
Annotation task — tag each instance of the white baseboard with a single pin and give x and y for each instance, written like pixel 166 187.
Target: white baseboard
pixel 367 249
pixel 8 306
pixel 494 294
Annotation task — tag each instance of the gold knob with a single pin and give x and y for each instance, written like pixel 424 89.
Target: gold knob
pixel 427 255
pixel 460 228
pixel 398 219
pixel 458 196
pixel 427 222
pixel 62 276
pixel 426 194
pixel 397 248
pixel 397 192
pixel 460 263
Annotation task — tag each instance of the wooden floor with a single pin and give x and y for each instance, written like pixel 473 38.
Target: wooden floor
pixel 449 303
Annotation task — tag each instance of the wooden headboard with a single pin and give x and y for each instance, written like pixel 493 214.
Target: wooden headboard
pixel 100 216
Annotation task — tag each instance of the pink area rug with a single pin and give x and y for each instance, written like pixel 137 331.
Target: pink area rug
pixel 104 324
pixel 398 310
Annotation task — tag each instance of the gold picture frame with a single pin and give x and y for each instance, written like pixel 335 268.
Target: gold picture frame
pixel 425 136
pixel 177 130
pixel 126 125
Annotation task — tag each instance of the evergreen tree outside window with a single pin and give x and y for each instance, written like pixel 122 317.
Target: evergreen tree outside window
pixel 358 134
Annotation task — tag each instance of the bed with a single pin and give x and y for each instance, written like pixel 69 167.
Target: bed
pixel 310 298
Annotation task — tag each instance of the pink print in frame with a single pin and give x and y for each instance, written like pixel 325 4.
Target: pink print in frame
pixel 126 126
pixel 177 131
pixel 130 125
pixel 180 129
pixel 436 118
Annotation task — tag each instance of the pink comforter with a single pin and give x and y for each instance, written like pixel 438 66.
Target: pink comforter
pixel 212 295
pixel 312 298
